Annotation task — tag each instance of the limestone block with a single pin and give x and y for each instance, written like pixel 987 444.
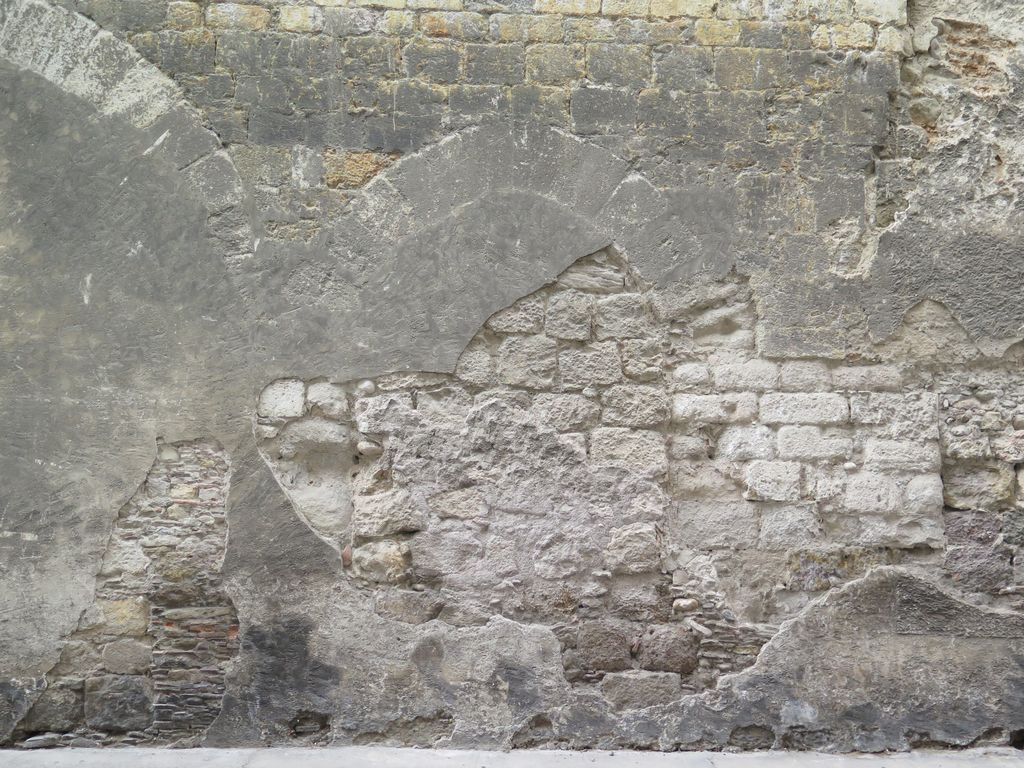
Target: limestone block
pixel 604 646
pixel 381 414
pixel 284 398
pixel 300 18
pixel 640 450
pixel 527 361
pixel 669 648
pixel 774 480
pixel 804 376
pixel 632 405
pixel 237 16
pixel 524 316
pixel 743 443
pixel 861 378
pixel 871 493
pixel 633 549
pixel 901 455
pixel 986 487
pixel 691 377
pixel 566 413
pixel 639 689
pixel 386 513
pixel 382 561
pixel 462 503
pixel 590 364
pixel 129 657
pixel 569 316
pixel 330 399
pixel 811 444
pixel 714 409
pixel 788 526
pixel 751 376
pixel 813 408
pixel 717 524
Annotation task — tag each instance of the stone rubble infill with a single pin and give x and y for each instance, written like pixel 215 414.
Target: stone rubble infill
pixel 380 757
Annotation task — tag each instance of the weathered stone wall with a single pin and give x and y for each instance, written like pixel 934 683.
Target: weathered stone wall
pixel 567 373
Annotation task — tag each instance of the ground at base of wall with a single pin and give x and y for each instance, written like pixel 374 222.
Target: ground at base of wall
pixel 380 757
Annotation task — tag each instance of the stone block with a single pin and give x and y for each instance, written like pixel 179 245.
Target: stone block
pixel 237 16
pixel 970 486
pixel 603 110
pixel 731 524
pixel 537 105
pixel 754 69
pixel 901 455
pixel 733 408
pixel 668 648
pixel 634 549
pixel 524 316
pixel 625 7
pixel 439 61
pixel 871 494
pixel 801 408
pixel 282 399
pixel 684 67
pixel 590 364
pixel 691 377
pixel 569 316
pixel 385 514
pixel 922 496
pixel 527 361
pixel 639 689
pixel 495 64
pixel 615 64
pixel 566 413
pixel 303 19
pixel 744 443
pixel 634 405
pixel 811 444
pixel 882 11
pixel 751 376
pixel 118 703
pixel 568 7
pixel 804 376
pixel 383 414
pixel 329 399
pixel 454 24
pixel 788 526
pixel 462 503
pixel 774 481
pixel 555 64
pixel 604 646
pixel 383 561
pixel 861 378
pixel 127 657
pixel 642 451
pixel 672 8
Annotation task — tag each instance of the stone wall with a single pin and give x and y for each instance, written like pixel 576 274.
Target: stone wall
pixel 569 373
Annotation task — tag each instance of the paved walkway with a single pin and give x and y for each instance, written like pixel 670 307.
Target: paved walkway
pixel 377 757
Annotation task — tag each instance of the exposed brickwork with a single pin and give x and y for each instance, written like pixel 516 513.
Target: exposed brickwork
pixel 147 663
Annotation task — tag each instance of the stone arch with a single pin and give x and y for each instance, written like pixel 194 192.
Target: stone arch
pixel 73 53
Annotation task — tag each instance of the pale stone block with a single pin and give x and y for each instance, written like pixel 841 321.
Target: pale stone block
pixel 462 503
pixel 640 450
pixel 715 409
pixel 569 316
pixel 282 399
pixel 788 526
pixel 902 455
pixel 691 377
pixel 794 408
pixel 717 524
pixel 329 398
pixel 882 11
pixel 774 481
pixel 300 18
pixel 525 316
pixel 871 493
pixel 746 443
pixel 633 549
pixel 527 361
pixel 809 444
pixel 568 7
pixel 566 413
pixel 804 376
pixel 237 16
pixel 621 317
pixel 751 376
pixel 590 364
pixel 635 406
pixel 386 513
